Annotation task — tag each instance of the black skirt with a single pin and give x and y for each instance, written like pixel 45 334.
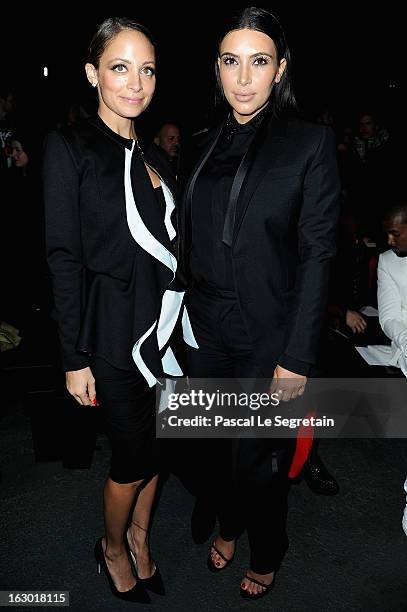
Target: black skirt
pixel 128 409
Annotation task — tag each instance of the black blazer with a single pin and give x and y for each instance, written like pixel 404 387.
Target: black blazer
pixel 280 225
pixel 107 288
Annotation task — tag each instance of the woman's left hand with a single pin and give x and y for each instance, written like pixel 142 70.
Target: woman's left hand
pixel 288 385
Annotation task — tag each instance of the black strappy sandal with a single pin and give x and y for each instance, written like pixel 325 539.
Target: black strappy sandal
pixel 267 588
pixel 213 567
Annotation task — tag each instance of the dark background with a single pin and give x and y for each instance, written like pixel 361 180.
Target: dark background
pixel 346 56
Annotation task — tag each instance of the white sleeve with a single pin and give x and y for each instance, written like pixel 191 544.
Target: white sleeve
pixel 389 305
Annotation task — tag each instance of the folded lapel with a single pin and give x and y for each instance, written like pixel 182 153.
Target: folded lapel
pixel 185 217
pixel 198 167
pixel 244 166
pixel 262 154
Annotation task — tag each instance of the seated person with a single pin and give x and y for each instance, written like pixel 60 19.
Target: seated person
pixel 392 295
pixel 353 287
pixel 392 287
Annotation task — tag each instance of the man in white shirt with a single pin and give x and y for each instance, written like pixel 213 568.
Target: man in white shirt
pixel 392 287
pixel 392 294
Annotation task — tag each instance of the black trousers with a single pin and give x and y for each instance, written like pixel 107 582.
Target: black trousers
pixel 128 410
pixel 247 479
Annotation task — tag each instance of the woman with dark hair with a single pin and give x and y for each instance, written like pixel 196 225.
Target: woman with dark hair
pixel 110 246
pixel 259 217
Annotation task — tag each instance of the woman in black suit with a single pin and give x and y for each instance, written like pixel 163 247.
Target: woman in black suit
pixel 260 210
pixel 110 247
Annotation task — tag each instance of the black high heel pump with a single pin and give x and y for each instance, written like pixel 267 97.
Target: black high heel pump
pixel 155 582
pixel 136 594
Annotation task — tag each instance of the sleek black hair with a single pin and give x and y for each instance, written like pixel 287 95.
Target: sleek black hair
pixel 261 20
pixel 107 31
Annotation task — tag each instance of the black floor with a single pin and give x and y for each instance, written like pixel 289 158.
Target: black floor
pixel 347 552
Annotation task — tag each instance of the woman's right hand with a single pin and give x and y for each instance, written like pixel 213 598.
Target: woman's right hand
pixel 81 385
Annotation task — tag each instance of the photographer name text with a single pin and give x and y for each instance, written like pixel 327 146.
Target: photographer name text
pixel 254 420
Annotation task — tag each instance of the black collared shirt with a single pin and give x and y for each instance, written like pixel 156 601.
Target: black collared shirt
pixel 211 263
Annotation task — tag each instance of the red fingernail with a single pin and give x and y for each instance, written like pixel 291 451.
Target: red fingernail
pixel 94 401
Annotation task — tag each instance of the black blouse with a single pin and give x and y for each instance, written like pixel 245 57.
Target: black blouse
pixel 211 264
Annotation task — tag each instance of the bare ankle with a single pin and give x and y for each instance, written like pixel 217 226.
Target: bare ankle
pixel 112 553
pixel 139 535
pixel 136 527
